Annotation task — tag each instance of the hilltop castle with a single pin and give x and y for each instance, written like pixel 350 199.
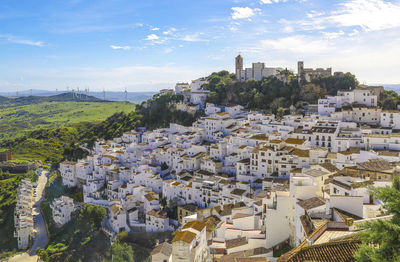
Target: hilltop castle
pixel 310 73
pixel 258 71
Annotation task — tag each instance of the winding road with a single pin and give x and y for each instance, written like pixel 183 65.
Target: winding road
pixel 41 237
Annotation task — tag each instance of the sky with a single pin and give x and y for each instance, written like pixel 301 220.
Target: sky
pixel 146 45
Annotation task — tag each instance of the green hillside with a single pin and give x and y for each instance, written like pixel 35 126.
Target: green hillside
pixel 64 97
pixel 17 120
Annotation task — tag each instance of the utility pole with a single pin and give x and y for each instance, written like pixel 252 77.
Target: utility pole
pixel 104 95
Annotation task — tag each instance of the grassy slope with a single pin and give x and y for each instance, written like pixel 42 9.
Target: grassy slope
pixel 16 121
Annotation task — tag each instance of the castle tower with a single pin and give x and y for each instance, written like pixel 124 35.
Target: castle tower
pixel 300 68
pixel 238 67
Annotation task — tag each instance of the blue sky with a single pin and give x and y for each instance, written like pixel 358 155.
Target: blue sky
pixel 151 44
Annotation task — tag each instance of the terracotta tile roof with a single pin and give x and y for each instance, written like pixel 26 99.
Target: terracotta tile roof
pixel 275 141
pixel 375 165
pixel 238 192
pixel 150 197
pixel 351 150
pixel 163 248
pixel 259 137
pixel 156 213
pixel 251 259
pixel 237 242
pixel 211 223
pixel 307 224
pixel 347 217
pixel 241 215
pixel 301 153
pixel 185 236
pixel 315 173
pixel 197 225
pixel 329 167
pixel 189 207
pixel 257 251
pixel 311 203
pixel 335 251
pixel 116 209
pixel 295 141
pixel 388 153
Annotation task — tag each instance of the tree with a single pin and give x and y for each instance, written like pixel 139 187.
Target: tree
pixel 280 112
pixel 381 239
pixel 277 103
pixel 90 217
pixel 164 166
pixel 163 202
pixel 121 253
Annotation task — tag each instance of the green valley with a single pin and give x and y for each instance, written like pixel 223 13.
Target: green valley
pixel 17 120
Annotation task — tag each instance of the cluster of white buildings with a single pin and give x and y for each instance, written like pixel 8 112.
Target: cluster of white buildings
pixel 23 217
pixel 62 208
pixel 194 95
pixel 258 182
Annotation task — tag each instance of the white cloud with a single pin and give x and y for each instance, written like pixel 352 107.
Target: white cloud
pixel 298 44
pixel 333 35
pixel 196 37
pixel 242 13
pixel 155 29
pixel 371 56
pixel 21 41
pixel 271 1
pixel 371 15
pixel 354 33
pixel 152 37
pixel 314 13
pixel 116 47
pixel 288 29
pixel 169 31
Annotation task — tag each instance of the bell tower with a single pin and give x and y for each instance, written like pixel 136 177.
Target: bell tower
pixel 300 68
pixel 238 67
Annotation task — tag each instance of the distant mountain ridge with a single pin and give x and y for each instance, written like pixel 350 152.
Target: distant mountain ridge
pixel 394 87
pixel 133 97
pixel 64 97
